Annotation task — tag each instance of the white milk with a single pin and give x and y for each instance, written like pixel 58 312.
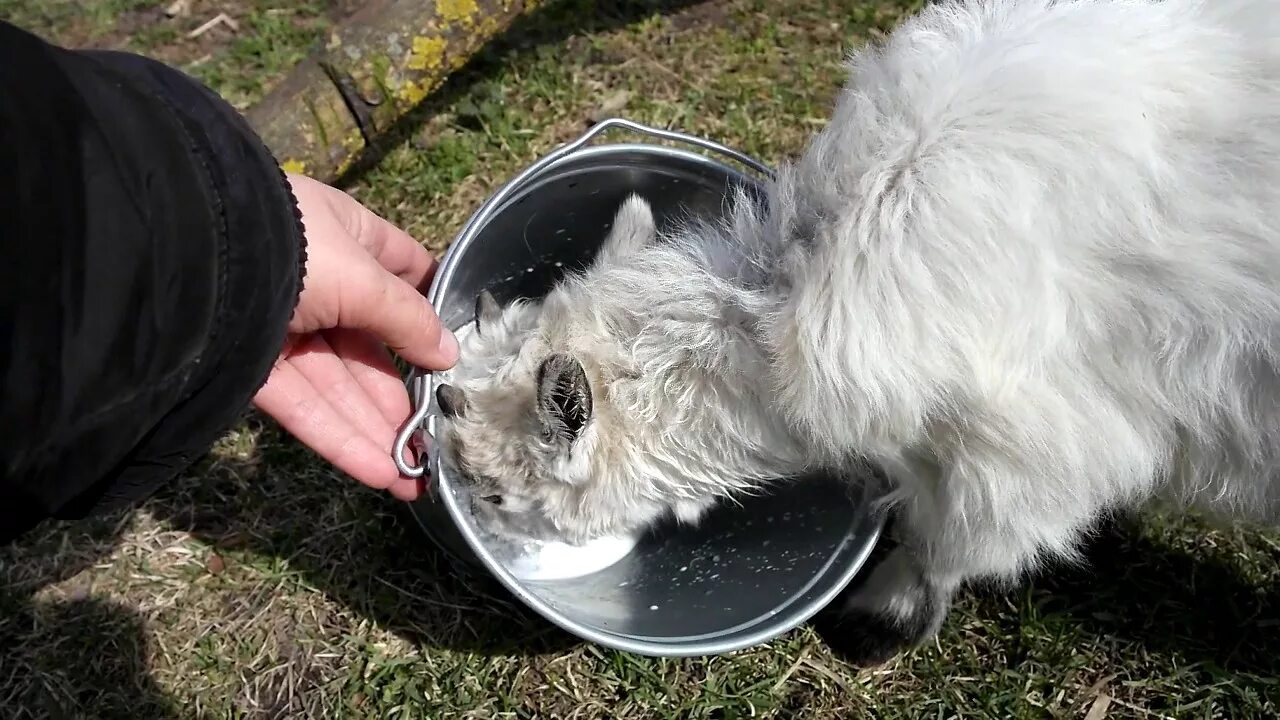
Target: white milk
pixel 561 561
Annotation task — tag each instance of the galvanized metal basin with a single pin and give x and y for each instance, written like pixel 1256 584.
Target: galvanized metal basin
pixel 749 572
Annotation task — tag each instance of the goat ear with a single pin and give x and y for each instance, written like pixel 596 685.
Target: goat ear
pixel 564 398
pixel 487 309
pixel 452 401
pixel 633 228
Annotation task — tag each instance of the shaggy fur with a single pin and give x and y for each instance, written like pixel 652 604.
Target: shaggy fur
pixel 663 344
pixel 1031 269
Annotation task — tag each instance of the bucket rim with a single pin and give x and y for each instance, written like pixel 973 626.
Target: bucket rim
pixel 865 531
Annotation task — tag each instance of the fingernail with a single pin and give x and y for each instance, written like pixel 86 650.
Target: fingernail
pixel 448 345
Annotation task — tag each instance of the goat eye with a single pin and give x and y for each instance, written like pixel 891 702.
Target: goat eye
pixel 495 499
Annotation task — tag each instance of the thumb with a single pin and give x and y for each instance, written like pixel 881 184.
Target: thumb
pixel 393 310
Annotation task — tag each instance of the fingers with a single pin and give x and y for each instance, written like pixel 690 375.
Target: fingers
pixel 302 411
pixel 369 363
pixel 393 248
pixel 397 313
pixel 336 389
pixel 408 489
pixel 402 256
pixel 364 273
pixel 328 373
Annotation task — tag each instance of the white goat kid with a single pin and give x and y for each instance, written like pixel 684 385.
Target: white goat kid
pixel 1030 269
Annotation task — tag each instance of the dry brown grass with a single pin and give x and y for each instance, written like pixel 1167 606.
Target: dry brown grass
pixel 262 585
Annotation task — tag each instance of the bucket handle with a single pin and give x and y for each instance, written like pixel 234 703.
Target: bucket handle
pixel 419 380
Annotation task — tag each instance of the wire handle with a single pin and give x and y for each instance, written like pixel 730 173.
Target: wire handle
pixel 419 381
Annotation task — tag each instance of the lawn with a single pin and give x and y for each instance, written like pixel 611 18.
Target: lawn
pixel 263 585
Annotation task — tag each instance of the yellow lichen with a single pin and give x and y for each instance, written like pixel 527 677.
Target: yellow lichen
pixel 457 10
pixel 411 92
pixel 354 140
pixel 345 165
pixel 294 167
pixel 353 143
pixel 488 27
pixel 427 53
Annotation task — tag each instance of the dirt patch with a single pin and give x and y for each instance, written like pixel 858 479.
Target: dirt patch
pixel 183 32
pixel 708 14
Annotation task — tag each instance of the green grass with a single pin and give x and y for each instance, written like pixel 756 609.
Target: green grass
pixel 239 62
pixel 263 585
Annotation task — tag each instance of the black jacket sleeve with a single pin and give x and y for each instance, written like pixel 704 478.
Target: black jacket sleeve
pixel 151 254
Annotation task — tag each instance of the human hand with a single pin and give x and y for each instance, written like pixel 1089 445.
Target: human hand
pixel 334 386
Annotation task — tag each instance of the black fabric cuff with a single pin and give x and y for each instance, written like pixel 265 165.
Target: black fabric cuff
pixel 264 260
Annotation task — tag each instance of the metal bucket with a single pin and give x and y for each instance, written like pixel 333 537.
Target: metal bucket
pixel 749 572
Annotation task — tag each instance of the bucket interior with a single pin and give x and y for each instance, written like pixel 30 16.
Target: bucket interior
pixel 747 572
pixel 557 223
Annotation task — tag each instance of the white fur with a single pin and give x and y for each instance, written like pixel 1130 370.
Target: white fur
pixel 1046 277
pixel 1031 268
pixel 673 363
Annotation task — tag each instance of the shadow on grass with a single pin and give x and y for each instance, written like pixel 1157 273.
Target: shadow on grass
pixel 65 653
pixel 354 545
pixel 78 657
pixel 1181 599
pixel 549 25
pixel 1188 600
pixel 1197 602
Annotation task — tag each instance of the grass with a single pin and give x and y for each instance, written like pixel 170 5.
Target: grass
pixel 262 585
